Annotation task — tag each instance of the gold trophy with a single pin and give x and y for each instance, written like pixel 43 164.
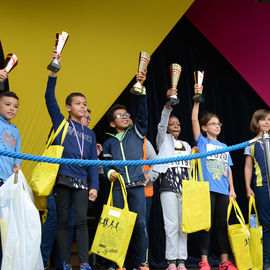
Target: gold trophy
pixel 59 45
pixel 143 63
pixel 10 62
pixel 198 78
pixel 175 70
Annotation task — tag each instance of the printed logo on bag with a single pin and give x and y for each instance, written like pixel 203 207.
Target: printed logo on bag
pixel 109 223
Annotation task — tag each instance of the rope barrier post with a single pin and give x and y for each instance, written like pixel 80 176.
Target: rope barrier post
pixel 265 139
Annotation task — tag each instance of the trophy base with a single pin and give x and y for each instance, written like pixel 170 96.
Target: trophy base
pixel 198 98
pixel 173 101
pixel 136 91
pixel 54 67
pixel 2 85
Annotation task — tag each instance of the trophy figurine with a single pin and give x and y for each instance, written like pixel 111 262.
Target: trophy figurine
pixel 10 62
pixel 175 70
pixel 59 45
pixel 198 78
pixel 143 63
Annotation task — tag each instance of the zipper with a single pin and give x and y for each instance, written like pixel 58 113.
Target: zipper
pixel 122 150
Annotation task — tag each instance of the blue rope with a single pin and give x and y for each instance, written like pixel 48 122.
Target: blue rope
pixel 121 162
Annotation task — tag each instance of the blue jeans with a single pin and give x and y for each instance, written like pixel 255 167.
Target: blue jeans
pixel 136 203
pixel 263 206
pixel 49 231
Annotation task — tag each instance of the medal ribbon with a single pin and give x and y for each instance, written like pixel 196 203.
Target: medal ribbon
pixel 79 145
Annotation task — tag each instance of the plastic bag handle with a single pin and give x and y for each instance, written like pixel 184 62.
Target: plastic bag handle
pixel 124 192
pixel 237 211
pixel 250 204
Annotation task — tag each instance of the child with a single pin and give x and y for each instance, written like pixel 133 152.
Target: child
pixel 9 134
pixel 171 177
pixel 127 144
pixel 10 139
pixel 71 183
pixel 255 170
pixel 216 169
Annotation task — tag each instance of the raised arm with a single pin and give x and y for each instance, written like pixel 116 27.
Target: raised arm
pixel 141 122
pixel 195 115
pixel 164 119
pixel 50 98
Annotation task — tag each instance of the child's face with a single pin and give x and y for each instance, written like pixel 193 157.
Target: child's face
pixel 77 108
pixel 174 127
pixel 121 120
pixel 264 124
pixel 85 120
pixel 9 107
pixel 213 127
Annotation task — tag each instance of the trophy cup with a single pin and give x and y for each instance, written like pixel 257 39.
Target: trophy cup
pixel 10 62
pixel 143 63
pixel 198 78
pixel 59 45
pixel 175 75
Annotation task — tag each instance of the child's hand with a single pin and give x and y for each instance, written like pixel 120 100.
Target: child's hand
pixel 195 150
pixel 113 177
pixel 232 194
pixel 171 92
pixel 3 74
pixel 141 76
pixel 56 56
pixel 99 149
pixel 93 195
pixel 147 179
pixel 249 193
pixel 198 89
pixel 16 168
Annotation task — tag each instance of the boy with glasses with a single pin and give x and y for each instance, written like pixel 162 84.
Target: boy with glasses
pixel 127 144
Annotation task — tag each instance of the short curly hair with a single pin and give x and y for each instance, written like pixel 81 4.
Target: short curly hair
pixel 110 113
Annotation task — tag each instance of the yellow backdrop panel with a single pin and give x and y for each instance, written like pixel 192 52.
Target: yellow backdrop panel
pixel 100 57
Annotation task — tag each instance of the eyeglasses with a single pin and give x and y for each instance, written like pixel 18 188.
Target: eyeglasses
pixel 214 124
pixel 121 115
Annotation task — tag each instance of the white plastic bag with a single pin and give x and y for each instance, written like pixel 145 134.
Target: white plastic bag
pixel 23 229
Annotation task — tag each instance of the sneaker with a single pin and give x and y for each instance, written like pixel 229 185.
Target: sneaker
pixel 171 266
pixel 227 266
pixel 181 267
pixel 67 266
pixel 204 266
pixel 85 266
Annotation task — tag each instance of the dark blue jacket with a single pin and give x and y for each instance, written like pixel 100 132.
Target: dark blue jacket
pixel 130 146
pixel 71 149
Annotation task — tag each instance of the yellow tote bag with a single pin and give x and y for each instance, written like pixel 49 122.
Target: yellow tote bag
pixel 44 174
pixel 256 239
pixel 114 229
pixel 196 206
pixel 239 238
